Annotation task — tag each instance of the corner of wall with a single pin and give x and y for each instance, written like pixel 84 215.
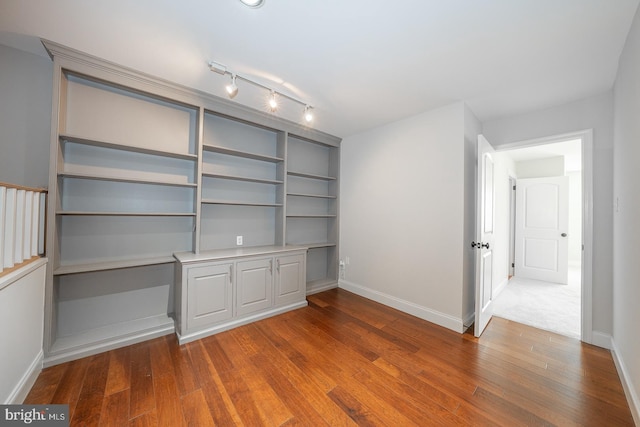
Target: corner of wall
pixel 632 394
pixel 21 390
pixel 424 313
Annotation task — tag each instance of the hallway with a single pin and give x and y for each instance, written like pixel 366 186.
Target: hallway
pixel 549 306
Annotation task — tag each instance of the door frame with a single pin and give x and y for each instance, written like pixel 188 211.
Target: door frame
pixel 586 136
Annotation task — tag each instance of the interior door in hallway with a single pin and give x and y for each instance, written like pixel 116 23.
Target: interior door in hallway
pixel 542 220
pixel 484 243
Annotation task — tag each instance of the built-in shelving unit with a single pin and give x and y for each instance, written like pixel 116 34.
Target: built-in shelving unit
pixel 243 178
pixel 312 207
pixel 142 169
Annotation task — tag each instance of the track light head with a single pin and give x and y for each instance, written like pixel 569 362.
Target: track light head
pixel 253 3
pixel 232 88
pixel 273 102
pixel 308 114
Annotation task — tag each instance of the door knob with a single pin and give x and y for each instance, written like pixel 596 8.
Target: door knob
pixel 564 234
pixel 484 245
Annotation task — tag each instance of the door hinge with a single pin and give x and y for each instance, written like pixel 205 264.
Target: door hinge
pixel 513 265
pixel 514 187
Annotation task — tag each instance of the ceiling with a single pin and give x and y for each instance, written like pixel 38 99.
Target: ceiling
pixel 571 151
pixel 361 64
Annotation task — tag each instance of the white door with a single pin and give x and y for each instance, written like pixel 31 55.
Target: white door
pixel 542 221
pixel 483 244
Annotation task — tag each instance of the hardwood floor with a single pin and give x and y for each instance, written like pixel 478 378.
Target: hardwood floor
pixel 344 360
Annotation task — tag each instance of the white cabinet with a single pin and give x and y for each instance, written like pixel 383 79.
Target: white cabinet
pixel 254 285
pixel 290 279
pixel 222 289
pixel 209 293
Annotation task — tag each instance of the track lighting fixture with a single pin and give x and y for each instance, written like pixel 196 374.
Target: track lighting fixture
pixel 307 114
pixel 273 102
pixel 232 90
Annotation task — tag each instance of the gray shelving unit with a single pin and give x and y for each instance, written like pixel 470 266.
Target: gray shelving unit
pixel 141 169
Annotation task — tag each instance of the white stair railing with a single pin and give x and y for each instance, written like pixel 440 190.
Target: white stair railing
pixel 22 225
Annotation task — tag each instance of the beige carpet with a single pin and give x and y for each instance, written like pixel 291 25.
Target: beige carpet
pixel 549 306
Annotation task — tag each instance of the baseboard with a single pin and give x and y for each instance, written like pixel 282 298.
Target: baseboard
pixel 425 313
pixel 601 339
pixel 27 381
pixel 500 287
pixel 469 320
pixel 225 326
pixel 627 385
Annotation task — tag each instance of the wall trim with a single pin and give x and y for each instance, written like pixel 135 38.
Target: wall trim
pixel 586 136
pixel 469 320
pixel 600 339
pixel 425 313
pixel 21 390
pixel 632 394
pixel 500 288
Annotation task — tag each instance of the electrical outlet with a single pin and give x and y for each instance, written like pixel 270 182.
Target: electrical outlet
pixel 239 240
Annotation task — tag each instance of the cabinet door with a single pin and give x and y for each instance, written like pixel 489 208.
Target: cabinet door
pixel 254 285
pixel 290 279
pixel 210 295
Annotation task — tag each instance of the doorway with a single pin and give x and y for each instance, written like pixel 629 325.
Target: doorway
pixel 560 304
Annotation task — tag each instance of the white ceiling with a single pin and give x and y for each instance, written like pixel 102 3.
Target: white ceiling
pixel 570 150
pixel 361 64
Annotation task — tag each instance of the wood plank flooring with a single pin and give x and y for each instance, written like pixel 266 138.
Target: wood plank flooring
pixel 344 360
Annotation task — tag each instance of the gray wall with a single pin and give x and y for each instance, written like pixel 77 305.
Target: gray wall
pixel 593 113
pixel 25 117
pixel 626 268
pixel 402 215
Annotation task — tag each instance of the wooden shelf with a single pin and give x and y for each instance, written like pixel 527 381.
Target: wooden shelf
pixel 243 154
pixel 88 213
pixel 242 178
pixel 239 203
pixel 113 178
pixel 111 265
pixel 122 147
pixel 311 176
pixel 310 216
pixel 317 245
pixel 318 196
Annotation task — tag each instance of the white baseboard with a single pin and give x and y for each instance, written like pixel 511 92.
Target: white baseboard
pixel 469 319
pixel 627 385
pixel 425 313
pixel 601 339
pixel 27 381
pixel 498 289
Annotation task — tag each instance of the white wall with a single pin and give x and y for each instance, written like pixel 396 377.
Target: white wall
pixel 402 214
pixel 504 167
pixel 472 128
pixel 26 84
pixel 626 230
pixel 551 166
pixel 21 317
pixel 575 218
pixel 592 113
